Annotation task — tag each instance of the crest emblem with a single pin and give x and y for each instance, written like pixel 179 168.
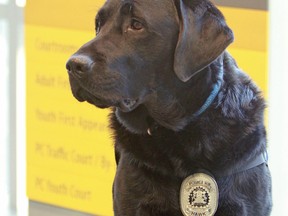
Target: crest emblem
pixel 199 195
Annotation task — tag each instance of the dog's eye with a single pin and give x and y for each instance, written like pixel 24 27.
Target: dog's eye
pixel 136 25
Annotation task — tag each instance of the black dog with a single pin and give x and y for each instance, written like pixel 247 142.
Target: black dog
pixel 180 106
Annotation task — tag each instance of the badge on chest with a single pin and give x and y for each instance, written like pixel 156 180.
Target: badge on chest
pixel 199 195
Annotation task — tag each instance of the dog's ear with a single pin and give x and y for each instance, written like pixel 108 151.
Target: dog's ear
pixel 203 36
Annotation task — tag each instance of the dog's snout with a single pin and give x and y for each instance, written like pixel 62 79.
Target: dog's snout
pixel 79 65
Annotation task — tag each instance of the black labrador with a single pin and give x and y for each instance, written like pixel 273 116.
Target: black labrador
pixel 180 107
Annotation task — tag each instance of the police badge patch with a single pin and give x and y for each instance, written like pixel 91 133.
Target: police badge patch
pixel 199 195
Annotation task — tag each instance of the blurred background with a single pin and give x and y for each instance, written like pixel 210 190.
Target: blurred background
pixel 47 174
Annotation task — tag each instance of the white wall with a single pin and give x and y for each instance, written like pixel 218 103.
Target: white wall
pixel 4 116
pixel 278 105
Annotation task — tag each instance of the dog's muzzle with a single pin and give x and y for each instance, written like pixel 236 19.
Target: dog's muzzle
pixel 79 67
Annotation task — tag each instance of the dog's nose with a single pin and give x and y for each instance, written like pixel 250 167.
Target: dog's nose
pixel 79 65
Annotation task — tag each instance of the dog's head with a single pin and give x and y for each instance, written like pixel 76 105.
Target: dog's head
pixel 145 48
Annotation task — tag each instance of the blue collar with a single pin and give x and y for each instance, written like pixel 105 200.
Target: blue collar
pixel 212 96
pixel 207 103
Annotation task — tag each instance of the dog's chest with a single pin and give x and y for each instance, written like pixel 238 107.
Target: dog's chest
pixel 165 151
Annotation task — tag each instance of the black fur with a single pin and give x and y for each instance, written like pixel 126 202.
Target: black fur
pixel 154 82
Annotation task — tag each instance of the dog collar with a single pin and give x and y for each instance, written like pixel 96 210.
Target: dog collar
pixel 215 90
pixel 212 96
pixel 251 163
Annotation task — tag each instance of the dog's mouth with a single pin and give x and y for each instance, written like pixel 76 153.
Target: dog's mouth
pixel 125 105
pixel 81 93
pixel 128 104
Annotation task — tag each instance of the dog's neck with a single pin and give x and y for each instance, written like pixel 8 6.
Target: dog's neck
pixel 208 102
pixel 176 110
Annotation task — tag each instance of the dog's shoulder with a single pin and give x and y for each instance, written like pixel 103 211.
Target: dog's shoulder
pixel 240 98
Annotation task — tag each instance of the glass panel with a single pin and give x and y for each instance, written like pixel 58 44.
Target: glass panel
pixel 20 3
pixel 22 201
pixel 4 115
pixel 4 1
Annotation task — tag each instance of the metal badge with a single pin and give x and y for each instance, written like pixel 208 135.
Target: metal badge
pixel 199 195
